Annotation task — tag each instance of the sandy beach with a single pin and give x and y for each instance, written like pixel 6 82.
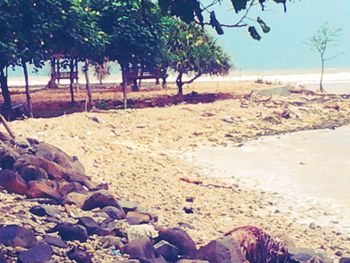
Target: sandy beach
pixel 140 154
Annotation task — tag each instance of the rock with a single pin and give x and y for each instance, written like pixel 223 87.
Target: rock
pixel 45 210
pixel 111 241
pixel 38 253
pixel 32 173
pixel 12 182
pixel 90 224
pixel 74 198
pixel 17 236
pixel 43 188
pixel 128 206
pixel 305 255
pixel 100 199
pixel 54 241
pixel 136 218
pixel 7 157
pixel 141 232
pixel 180 239
pixel 143 250
pixel 114 212
pixel 344 260
pixel 65 187
pixel 258 246
pixel 168 251
pixel 192 261
pixel 79 255
pixel 69 232
pixel 222 250
pixel 188 210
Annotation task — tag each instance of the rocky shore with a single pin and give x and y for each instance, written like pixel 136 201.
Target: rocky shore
pixel 136 154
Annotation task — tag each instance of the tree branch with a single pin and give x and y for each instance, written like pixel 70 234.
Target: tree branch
pixel 193 79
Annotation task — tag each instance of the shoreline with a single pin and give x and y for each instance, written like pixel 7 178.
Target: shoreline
pixel 327 211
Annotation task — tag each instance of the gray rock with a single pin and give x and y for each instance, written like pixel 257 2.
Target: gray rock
pixel 39 253
pixel 167 250
pixel 17 236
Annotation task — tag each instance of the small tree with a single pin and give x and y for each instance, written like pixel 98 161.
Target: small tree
pixel 191 51
pixel 324 38
pixel 102 71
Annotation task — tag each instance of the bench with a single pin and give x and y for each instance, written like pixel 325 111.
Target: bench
pixel 134 75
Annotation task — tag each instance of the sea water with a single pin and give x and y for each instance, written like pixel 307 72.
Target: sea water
pixel 308 168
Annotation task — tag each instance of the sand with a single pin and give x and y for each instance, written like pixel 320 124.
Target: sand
pixel 139 153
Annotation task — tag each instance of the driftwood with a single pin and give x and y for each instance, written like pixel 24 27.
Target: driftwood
pixel 4 122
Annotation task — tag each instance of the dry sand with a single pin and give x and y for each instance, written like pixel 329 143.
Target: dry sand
pixel 138 153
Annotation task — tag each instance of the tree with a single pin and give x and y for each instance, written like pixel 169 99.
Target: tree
pixel 324 39
pixel 132 30
pixel 191 51
pixel 194 10
pixel 102 71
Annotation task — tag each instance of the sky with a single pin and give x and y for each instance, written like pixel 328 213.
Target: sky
pixel 284 46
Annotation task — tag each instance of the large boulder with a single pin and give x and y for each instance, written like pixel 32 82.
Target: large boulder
pixel 7 156
pixel 33 173
pixel 12 182
pixel 180 239
pixel 17 236
pixel 222 250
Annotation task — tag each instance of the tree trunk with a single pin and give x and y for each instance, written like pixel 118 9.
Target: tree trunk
pixel 179 84
pixel 88 90
pixel 29 98
pixel 5 89
pixel 124 86
pixel 71 69
pixel 322 72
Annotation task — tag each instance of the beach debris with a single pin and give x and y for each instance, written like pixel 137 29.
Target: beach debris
pixel 258 246
pixel 191 181
pixel 222 250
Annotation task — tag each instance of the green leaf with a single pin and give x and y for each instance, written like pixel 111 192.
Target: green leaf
pixel 264 27
pixel 253 33
pixel 239 5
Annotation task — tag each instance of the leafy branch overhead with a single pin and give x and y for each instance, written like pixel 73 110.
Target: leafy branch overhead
pixel 195 10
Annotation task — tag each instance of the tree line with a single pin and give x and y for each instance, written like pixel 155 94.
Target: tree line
pixel 132 33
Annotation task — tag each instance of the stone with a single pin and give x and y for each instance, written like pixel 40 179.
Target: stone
pixel 306 255
pixel 38 253
pixel 143 250
pixel 45 210
pixel 33 173
pixel 12 182
pixel 344 260
pixel 65 187
pixel 128 206
pixel 136 218
pixel 100 199
pixel 69 232
pixel 192 261
pixel 168 251
pixel 114 212
pixel 141 232
pixel 112 241
pixel 43 188
pixel 180 239
pixel 188 210
pixel 73 198
pixel 17 236
pixel 90 224
pixel 79 255
pixel 222 250
pixel 54 241
pixel 7 157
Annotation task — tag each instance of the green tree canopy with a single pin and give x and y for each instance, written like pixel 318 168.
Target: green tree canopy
pixel 190 51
